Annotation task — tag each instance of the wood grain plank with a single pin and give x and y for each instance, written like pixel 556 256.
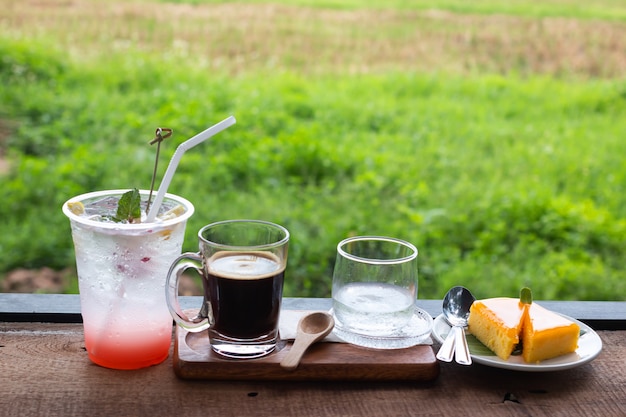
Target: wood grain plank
pixel 44 371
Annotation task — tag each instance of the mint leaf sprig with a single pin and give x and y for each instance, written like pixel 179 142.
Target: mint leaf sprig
pixel 129 207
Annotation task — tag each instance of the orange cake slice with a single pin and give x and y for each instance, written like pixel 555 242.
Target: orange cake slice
pixel 497 323
pixel 547 335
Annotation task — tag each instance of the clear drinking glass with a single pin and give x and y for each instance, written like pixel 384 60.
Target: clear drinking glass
pixel 121 277
pixel 242 265
pixel 374 292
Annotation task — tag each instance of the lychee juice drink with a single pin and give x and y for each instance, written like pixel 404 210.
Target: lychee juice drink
pixel 122 269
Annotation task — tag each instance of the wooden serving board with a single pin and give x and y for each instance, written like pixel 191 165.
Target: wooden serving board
pixel 328 361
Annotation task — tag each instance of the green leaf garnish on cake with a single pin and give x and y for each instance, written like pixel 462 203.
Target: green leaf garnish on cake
pixel 526 296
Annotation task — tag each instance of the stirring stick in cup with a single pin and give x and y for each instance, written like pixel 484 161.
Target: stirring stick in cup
pixel 182 148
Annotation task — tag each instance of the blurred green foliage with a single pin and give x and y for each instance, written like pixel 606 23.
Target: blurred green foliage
pixel 501 182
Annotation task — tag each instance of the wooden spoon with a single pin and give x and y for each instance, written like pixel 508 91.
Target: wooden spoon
pixel 311 328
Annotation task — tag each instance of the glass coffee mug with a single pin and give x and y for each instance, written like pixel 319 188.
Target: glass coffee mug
pixel 242 265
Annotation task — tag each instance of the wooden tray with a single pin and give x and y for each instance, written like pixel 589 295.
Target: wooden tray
pixel 194 359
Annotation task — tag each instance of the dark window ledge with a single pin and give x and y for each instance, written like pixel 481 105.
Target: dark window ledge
pixel 65 308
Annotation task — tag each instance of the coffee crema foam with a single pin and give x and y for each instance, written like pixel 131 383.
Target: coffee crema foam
pixel 244 265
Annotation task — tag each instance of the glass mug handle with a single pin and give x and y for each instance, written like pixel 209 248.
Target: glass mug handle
pixel 204 318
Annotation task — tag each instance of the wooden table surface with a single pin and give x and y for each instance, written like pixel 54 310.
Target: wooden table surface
pixel 44 371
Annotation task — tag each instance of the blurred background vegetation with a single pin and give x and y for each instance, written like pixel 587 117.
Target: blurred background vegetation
pixel 490 134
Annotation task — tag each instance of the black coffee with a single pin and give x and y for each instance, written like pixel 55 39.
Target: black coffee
pixel 245 291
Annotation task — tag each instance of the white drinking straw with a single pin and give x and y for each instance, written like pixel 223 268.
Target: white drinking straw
pixel 182 148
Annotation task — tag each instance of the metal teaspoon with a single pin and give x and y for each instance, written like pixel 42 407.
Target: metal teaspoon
pixel 456 305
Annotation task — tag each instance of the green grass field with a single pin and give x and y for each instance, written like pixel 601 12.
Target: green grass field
pixel 489 135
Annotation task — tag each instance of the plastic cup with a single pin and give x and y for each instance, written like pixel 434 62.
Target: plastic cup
pixel 121 277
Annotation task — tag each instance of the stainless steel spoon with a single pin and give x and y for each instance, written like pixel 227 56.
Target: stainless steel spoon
pixel 311 328
pixel 456 305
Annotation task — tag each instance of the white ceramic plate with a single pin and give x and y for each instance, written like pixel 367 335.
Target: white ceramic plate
pixel 589 346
